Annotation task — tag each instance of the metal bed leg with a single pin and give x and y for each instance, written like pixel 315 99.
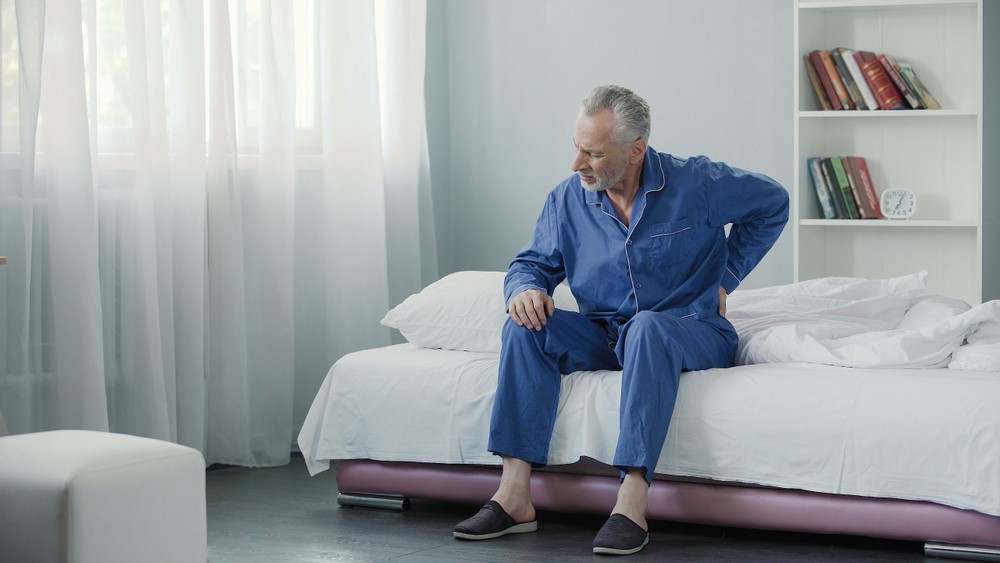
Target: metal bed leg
pixel 966 552
pixel 382 502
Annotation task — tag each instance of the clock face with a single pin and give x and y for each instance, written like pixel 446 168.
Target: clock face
pixel 898 203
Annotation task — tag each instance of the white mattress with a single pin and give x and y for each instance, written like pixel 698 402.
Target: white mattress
pixel 918 434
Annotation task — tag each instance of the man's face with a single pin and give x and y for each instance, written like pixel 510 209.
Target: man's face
pixel 600 162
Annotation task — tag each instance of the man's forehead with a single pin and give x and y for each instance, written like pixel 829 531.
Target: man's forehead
pixel 593 130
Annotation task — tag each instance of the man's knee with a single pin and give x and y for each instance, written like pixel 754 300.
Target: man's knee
pixel 555 327
pixel 513 334
pixel 568 338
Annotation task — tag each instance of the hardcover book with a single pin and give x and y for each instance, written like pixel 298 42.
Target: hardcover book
pixel 822 191
pixel 910 77
pixel 859 78
pixel 884 90
pixel 848 79
pixel 816 84
pixel 889 64
pixel 864 210
pixel 836 194
pixel 845 187
pixel 863 57
pixel 838 84
pixel 824 78
pixel 859 166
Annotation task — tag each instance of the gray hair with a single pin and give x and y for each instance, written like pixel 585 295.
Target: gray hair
pixel 630 111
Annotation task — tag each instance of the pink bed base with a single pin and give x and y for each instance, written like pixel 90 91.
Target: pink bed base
pixel 957 531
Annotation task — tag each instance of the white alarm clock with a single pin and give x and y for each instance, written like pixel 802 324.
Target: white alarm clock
pixel 898 203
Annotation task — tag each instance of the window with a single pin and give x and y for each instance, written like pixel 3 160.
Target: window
pixel 109 80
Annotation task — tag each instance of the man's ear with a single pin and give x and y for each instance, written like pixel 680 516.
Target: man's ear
pixel 638 151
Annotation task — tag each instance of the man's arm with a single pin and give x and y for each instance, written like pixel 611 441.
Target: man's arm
pixel 757 208
pixel 535 272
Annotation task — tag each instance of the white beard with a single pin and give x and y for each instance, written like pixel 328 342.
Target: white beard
pixel 600 185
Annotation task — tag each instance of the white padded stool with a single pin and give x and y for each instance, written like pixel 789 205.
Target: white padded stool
pixel 76 496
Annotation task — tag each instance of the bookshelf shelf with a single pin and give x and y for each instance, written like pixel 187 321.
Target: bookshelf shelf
pixel 887 223
pixel 937 153
pixel 878 4
pixel 888 114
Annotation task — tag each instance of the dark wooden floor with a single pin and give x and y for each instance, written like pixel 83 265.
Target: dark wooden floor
pixel 283 515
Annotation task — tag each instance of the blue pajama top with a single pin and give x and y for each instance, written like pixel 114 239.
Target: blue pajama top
pixel 672 257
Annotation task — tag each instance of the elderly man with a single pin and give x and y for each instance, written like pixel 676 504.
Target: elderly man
pixel 639 235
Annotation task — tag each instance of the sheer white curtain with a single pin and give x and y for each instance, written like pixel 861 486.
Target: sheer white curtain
pixel 202 206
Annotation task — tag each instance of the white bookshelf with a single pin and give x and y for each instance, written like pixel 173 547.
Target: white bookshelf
pixel 936 153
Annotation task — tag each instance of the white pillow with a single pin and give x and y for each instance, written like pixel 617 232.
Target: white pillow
pixel 982 350
pixel 461 311
pixel 929 310
pixel 976 357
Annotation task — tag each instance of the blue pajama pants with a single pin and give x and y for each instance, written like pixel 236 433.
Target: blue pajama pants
pixel 651 349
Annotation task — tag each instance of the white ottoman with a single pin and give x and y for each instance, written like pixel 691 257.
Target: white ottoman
pixel 94 497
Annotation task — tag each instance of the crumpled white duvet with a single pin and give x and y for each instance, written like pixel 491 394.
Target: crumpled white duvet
pixel 864 323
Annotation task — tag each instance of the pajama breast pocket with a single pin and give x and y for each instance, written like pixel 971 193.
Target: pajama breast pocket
pixel 670 243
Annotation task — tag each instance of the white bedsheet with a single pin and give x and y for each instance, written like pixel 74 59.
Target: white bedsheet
pixel 919 434
pixel 854 322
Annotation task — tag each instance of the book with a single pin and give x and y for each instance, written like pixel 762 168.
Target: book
pixel 822 191
pixel 854 185
pixel 824 78
pixel 848 79
pixel 859 78
pixel 838 84
pixel 816 84
pixel 845 187
pixel 885 92
pixel 910 77
pixel 889 64
pixel 829 177
pixel 857 190
pixel 863 57
pixel 868 194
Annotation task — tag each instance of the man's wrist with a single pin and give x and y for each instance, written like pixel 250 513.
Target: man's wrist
pixel 729 281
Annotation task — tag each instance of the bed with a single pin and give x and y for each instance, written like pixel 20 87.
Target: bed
pixel 862 407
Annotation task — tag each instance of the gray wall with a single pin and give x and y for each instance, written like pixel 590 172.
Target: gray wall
pixel 504 80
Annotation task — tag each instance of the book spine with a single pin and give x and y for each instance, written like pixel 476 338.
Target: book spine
pixel 912 89
pixel 824 78
pixel 847 79
pixel 852 180
pixel 822 192
pixel 910 76
pixel 882 87
pixel 890 69
pixel 816 84
pixel 863 57
pixel 830 177
pixel 860 165
pixel 859 78
pixel 845 187
pixel 838 84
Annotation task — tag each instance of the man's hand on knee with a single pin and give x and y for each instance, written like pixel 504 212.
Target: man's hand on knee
pixel 531 309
